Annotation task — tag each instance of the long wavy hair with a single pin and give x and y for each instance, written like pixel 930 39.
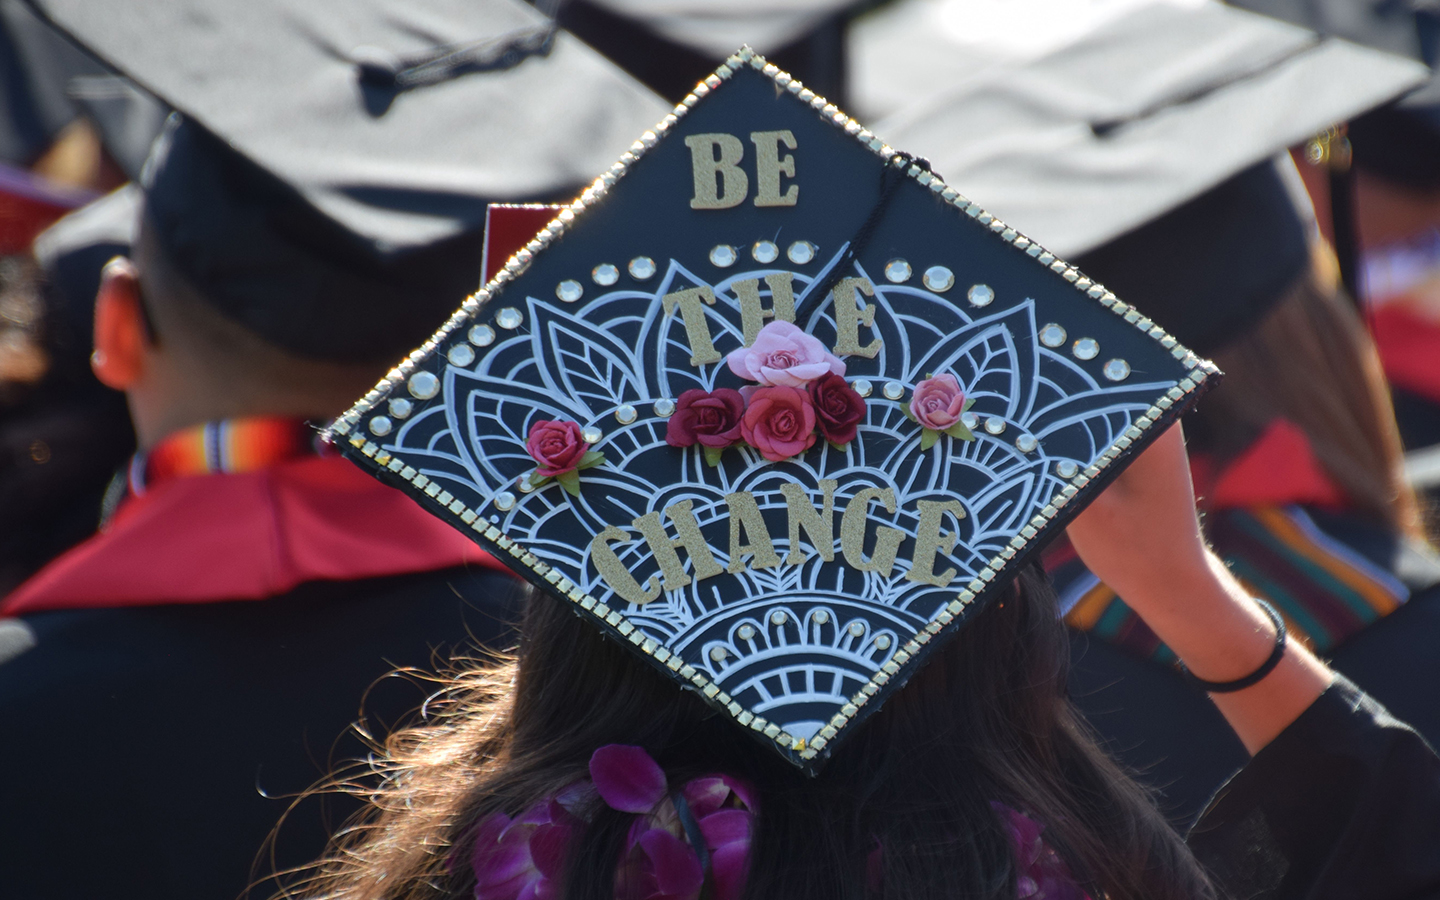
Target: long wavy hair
pixel 986 719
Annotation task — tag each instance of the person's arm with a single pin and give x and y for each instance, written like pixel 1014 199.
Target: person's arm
pixel 1142 538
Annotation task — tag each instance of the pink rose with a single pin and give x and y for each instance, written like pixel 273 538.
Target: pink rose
pixel 556 446
pixel 779 422
pixel 711 420
pixel 784 355
pixel 938 402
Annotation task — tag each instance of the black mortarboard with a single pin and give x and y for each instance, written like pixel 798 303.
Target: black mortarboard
pixel 1143 145
pixel 774 406
pixel 332 161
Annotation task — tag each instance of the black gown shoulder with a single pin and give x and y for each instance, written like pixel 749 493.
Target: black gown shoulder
pixel 151 750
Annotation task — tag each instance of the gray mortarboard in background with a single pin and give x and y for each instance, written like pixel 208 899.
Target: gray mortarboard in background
pixel 1142 141
pixel 325 180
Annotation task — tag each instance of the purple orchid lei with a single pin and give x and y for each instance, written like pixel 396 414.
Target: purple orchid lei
pixel 523 858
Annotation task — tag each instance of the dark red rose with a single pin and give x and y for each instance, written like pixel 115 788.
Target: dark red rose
pixel 838 409
pixel 709 419
pixel 556 446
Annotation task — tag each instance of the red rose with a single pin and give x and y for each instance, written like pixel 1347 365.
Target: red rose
pixel 712 420
pixel 838 409
pixel 556 446
pixel 779 422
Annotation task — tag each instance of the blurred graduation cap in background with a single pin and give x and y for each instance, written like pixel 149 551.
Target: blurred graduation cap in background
pixel 1142 141
pixel 325 179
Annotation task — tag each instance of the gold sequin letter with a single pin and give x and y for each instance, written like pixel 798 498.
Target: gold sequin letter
pixel 849 318
pixel 744 514
pixel 770 165
pixel 720 183
pixel 819 524
pixel 613 570
pixel 692 302
pixel 753 314
pixel 852 533
pixel 664 547
pixel 930 540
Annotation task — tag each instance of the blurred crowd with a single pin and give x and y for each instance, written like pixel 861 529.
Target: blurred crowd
pixel 222 223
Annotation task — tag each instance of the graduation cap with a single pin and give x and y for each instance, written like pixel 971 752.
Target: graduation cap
pixel 326 179
pixel 1148 147
pixel 774 406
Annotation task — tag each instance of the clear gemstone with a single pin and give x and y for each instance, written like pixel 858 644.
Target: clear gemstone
pixel 504 500
pixel 1117 370
pixel 765 251
pixel 482 335
pixel 642 267
pixel 1086 348
pixel 898 271
pixel 863 387
pixel 460 355
pixel 995 425
pixel 882 641
pixel 969 420
pixel 592 435
pixel 939 279
pixel 626 414
pixel 1025 443
pixel 605 274
pixel 894 390
pixel 509 317
pixel 1067 468
pixel 718 653
pixel 856 629
pixel 423 385
pixel 665 407
pixel 745 632
pixel 400 407
pixel 801 252
pixel 723 255
pixel 524 484
pixel 1052 335
pixel 569 290
pixel 777 617
pixel 981 295
pixel 381 426
pixel 821 617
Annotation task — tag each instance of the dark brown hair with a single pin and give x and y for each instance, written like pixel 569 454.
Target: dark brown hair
pixel 986 719
pixel 1311 361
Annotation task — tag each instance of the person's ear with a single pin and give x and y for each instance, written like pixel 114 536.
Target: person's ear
pixel 122 338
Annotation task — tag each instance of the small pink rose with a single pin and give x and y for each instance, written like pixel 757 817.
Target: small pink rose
pixel 779 422
pixel 784 355
pixel 938 402
pixel 556 446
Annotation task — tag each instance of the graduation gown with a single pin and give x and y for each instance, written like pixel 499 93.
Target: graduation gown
pixel 1343 804
pixel 169 686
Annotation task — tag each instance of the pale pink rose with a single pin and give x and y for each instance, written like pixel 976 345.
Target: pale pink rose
pixel 938 402
pixel 784 355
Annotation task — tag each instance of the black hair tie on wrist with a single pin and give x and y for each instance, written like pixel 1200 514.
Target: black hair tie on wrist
pixel 1239 684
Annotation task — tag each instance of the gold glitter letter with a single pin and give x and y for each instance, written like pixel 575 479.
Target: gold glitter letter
pixel 745 514
pixel 613 570
pixel 852 533
pixel 720 183
pixel 697 329
pixel 752 314
pixel 930 540
pixel 849 318
pixel 664 547
pixel 770 165
pixel 819 524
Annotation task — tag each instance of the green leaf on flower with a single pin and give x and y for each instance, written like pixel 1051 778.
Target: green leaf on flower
pixel 570 481
pixel 536 479
pixel 959 432
pixel 591 459
pixel 969 402
pixel 905 408
pixel 839 448
pixel 928 437
pixel 712 455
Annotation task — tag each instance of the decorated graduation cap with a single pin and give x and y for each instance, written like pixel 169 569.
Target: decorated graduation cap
pixel 1147 146
pixel 774 406
pixel 326 179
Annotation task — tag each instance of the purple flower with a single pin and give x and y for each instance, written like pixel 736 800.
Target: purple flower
pixel 627 778
pixel 784 355
pixel 522 859
pixel 1042 874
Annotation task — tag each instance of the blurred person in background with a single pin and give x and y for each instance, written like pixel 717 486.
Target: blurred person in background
pixel 171 683
pixel 1139 141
